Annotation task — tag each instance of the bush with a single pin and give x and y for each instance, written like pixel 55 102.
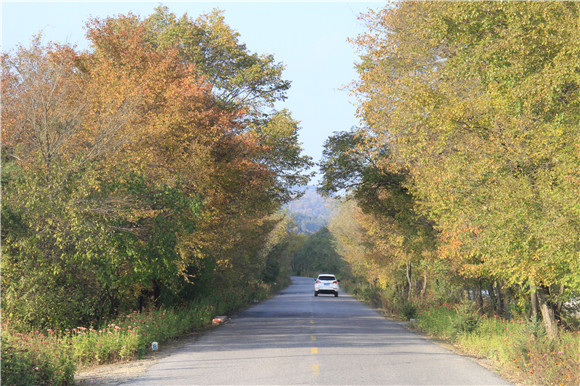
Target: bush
pixel 408 310
pixel 35 359
pixel 434 319
pixel 465 319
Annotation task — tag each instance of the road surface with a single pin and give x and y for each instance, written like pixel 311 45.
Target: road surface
pixel 296 338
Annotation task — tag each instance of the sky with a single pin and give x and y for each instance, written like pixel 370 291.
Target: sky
pixel 309 38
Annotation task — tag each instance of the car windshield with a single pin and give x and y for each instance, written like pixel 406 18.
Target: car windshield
pixel 326 278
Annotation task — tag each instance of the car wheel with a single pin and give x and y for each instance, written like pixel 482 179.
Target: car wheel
pixel 336 294
pixel 315 293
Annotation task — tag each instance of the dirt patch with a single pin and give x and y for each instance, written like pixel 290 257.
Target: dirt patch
pixel 118 373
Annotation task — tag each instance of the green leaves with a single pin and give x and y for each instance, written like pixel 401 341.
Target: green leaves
pixel 241 79
pixel 477 104
pixel 142 170
pixel 469 116
pixel 281 154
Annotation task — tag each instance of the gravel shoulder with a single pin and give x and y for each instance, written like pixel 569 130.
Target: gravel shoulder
pixel 118 373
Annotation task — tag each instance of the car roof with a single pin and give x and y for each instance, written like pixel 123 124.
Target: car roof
pixel 327 274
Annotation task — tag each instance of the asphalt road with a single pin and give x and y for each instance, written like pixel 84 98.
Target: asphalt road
pixel 296 338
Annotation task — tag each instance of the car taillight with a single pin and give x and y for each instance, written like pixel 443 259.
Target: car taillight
pixel 335 282
pixel 318 281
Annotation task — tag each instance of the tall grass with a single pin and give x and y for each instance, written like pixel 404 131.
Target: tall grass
pixel 51 357
pixel 519 345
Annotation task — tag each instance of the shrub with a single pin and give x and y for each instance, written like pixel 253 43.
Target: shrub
pixel 35 359
pixel 408 310
pixel 434 319
pixel 465 319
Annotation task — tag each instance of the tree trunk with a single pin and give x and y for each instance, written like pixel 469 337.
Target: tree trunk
pixel 156 292
pixel 507 300
pixel 466 294
pixel 547 311
pixel 480 297
pixel 560 304
pixel 500 308
pixel 409 281
pixel 424 288
pixel 492 297
pixel 534 302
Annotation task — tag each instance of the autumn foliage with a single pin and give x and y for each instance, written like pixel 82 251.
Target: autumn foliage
pixel 469 151
pixel 129 180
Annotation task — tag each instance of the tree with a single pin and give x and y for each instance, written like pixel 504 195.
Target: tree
pixel 241 79
pixel 226 159
pixel 318 255
pixel 395 235
pixel 73 192
pixel 243 82
pixel 127 181
pixel 479 103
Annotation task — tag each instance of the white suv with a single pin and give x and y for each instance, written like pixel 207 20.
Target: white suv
pixel 326 283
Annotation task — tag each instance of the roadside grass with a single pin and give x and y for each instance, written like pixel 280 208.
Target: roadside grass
pixel 519 346
pixel 51 357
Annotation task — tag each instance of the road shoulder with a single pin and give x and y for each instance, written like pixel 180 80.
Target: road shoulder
pixel 484 362
pixel 118 373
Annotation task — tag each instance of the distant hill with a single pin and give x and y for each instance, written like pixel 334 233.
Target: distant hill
pixel 311 211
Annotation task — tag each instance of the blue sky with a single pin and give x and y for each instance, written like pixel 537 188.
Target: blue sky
pixel 310 38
